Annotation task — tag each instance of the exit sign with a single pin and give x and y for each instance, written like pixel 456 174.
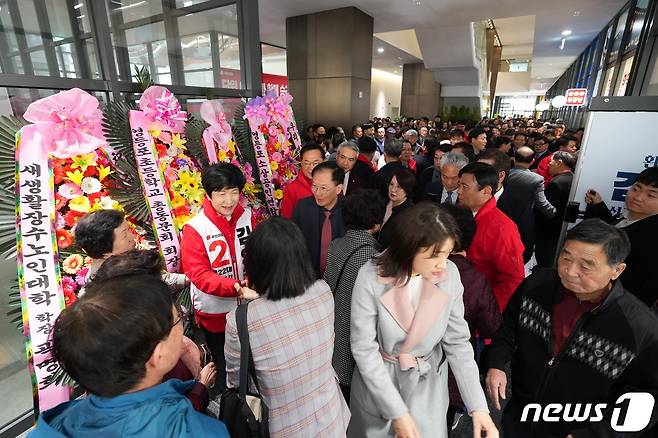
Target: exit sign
pixel 575 96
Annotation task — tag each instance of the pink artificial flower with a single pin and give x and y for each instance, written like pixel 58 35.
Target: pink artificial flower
pixel 69 190
pixel 69 123
pixel 81 276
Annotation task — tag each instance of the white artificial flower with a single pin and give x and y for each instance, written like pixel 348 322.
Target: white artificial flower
pixel 90 185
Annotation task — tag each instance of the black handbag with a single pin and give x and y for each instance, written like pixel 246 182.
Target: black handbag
pixel 244 413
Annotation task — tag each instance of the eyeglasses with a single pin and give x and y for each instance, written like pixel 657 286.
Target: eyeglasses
pixel 183 314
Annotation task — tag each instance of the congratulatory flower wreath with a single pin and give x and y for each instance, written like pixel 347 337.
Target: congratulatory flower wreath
pixel 66 158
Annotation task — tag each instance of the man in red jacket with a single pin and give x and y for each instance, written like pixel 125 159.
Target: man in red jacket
pixel 310 156
pixel 566 143
pixel 496 250
pixel 211 250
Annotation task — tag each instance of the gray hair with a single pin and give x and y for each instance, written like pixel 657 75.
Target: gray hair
pixel 456 159
pixel 411 132
pixel 567 158
pixel 393 147
pixel 349 144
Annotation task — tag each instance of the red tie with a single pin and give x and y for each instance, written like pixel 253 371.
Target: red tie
pixel 325 240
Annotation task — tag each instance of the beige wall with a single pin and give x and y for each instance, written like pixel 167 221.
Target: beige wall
pixel 512 82
pixel 385 92
pixel 420 92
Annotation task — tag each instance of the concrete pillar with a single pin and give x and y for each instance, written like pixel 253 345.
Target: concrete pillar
pixel 420 92
pixel 329 58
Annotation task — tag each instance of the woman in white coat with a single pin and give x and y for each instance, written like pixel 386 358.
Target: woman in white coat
pixel 407 325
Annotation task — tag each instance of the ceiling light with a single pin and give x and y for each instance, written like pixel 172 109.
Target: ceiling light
pixel 401 66
pixel 395 71
pixel 187 3
pixel 380 50
pixel 566 32
pixel 564 40
pixel 576 13
pixel 78 6
pixel 131 6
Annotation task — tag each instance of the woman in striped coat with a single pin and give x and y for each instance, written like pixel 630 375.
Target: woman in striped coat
pixel 363 213
pixel 291 332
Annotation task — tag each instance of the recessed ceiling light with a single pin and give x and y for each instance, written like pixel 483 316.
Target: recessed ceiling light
pixel 395 71
pixel 576 13
pixel 566 32
pixel 380 50
pixel 401 66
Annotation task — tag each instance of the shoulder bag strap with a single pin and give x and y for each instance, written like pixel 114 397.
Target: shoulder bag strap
pixel 247 366
pixel 340 274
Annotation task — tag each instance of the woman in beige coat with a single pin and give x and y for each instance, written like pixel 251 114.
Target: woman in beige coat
pixel 407 326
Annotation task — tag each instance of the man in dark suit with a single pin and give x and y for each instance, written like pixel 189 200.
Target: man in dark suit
pixel 548 230
pixel 524 190
pixel 320 216
pixel 540 145
pixel 350 159
pixel 440 182
pixel 382 178
pixel 640 223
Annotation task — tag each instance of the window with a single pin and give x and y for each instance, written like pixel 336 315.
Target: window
pixel 619 34
pixel 624 76
pixel 195 49
pixel 652 87
pixel 607 81
pixel 639 17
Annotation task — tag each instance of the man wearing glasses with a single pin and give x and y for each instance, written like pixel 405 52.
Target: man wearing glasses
pixel 540 145
pixel 320 216
pixel 310 156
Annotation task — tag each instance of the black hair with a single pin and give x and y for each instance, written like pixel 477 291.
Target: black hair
pixel 363 209
pixel 367 126
pixel 473 133
pixel 457 133
pixel 222 176
pixel 277 262
pixel 431 144
pixel 465 222
pixel 406 180
pixel 614 240
pixel 567 158
pixel 564 140
pixel 354 128
pixel 484 174
pixel 311 146
pixel 501 140
pixel 337 174
pixel 648 177
pixel 466 148
pixel 521 133
pixel 501 161
pixel 133 262
pixel 104 339
pixel 415 229
pixel 94 232
pixel 367 145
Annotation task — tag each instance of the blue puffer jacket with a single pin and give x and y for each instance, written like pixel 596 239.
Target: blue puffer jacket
pixel 161 411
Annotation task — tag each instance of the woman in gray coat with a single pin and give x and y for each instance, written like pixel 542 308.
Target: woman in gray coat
pixel 407 325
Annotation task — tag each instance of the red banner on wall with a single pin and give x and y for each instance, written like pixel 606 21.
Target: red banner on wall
pixel 230 78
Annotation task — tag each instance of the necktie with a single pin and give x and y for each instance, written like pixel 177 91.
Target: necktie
pixel 325 240
pixel 449 198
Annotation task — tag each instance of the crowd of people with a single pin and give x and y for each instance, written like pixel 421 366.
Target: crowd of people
pixel 415 269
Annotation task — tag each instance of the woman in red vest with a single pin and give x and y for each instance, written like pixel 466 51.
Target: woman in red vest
pixel 211 249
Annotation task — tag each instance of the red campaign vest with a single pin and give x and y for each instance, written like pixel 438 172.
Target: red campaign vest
pixel 222 263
